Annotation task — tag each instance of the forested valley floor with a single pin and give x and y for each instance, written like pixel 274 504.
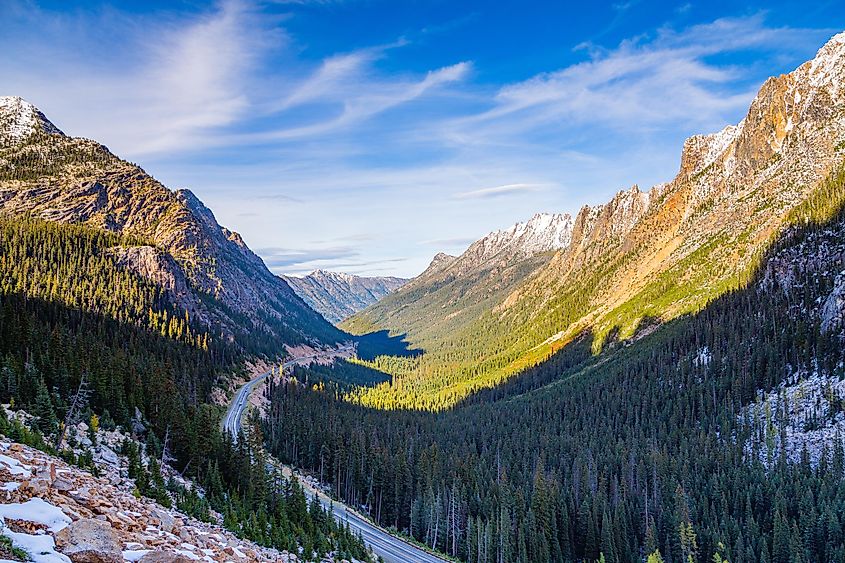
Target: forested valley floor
pixel 652 449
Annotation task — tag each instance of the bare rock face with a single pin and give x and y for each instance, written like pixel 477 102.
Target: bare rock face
pixel 336 295
pixel 646 254
pixel 90 541
pixel 59 178
pixel 544 232
pixel 833 309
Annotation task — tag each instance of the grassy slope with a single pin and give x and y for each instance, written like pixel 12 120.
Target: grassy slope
pixel 468 348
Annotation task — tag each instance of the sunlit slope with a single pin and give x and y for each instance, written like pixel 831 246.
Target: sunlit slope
pixel 641 258
pixel 206 269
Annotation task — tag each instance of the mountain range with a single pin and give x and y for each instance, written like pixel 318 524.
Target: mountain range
pixel 657 378
pixel 207 270
pixel 617 269
pixel 337 295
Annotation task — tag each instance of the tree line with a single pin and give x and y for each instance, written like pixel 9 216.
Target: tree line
pixel 636 453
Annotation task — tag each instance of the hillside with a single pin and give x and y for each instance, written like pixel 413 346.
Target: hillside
pixel 57 512
pixel 336 295
pixel 124 303
pixel 207 270
pixel 719 436
pixel 644 257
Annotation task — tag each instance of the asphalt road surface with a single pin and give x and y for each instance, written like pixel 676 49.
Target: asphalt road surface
pixel 386 546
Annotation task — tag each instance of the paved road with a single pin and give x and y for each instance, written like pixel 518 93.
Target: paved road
pixel 389 548
pixel 234 415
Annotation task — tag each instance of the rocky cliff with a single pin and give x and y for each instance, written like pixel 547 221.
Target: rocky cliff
pixel 208 269
pixel 336 295
pixel 645 256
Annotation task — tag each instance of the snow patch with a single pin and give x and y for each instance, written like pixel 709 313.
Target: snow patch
pixel 41 548
pixel 802 413
pixel 15 467
pixel 19 119
pixel 36 510
pixel 135 554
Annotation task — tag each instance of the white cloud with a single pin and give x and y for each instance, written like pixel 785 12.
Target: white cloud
pixel 347 86
pixel 288 149
pixel 497 191
pixel 183 83
pixel 641 83
pixel 154 85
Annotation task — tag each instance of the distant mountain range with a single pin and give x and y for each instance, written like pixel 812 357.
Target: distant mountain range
pixel 337 295
pixel 617 269
pixel 207 270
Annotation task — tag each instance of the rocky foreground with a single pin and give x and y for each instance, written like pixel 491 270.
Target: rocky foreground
pixel 60 513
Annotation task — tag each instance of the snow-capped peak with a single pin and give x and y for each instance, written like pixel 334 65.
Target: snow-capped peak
pixel 337 276
pixel 826 67
pixel 19 119
pixel 542 233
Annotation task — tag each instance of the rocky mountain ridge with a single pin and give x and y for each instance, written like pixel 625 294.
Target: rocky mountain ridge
pixel 209 270
pixel 337 295
pixel 645 256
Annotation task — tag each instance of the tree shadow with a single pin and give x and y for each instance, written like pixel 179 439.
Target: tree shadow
pixel 381 343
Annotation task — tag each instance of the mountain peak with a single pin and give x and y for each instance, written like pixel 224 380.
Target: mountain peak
pixel 542 233
pixel 19 119
pixel 336 276
pixel 337 295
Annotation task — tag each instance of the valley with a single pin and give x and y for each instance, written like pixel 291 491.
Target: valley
pixel 659 378
pixel 389 548
pixel 620 268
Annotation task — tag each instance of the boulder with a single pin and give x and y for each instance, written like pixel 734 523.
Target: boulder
pixel 62 485
pixel 90 541
pixel 166 521
pixel 161 556
pixel 108 455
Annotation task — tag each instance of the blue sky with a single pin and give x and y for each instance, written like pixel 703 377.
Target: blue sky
pixel 366 136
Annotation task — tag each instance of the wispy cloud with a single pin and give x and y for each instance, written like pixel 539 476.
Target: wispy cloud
pixel 643 82
pixel 302 149
pixel 284 198
pixel 202 81
pixel 278 258
pixel 350 94
pixel 498 191
pixel 166 85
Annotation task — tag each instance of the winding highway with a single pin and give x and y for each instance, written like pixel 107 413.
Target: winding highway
pixel 390 548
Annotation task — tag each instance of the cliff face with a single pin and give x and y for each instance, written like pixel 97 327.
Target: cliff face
pixel 337 295
pixel 646 255
pixel 694 236
pixel 217 278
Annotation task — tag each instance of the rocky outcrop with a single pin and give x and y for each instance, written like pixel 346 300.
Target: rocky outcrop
pixel 336 295
pixel 64 179
pixel 646 255
pixel 64 511
pixel 833 309
pixel 440 262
